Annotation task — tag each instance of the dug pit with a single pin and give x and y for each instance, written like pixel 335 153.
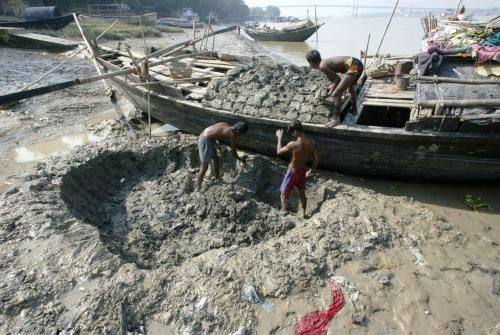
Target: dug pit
pixel 147 210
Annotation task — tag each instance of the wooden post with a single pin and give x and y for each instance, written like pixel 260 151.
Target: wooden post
pixel 387 26
pixel 458 8
pixel 194 36
pixel 366 51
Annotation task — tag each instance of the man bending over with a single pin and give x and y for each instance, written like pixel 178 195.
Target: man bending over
pixel 350 66
pixel 206 145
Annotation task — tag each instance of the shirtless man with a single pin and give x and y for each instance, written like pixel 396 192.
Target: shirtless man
pixel 352 67
pixel 206 145
pixel 302 150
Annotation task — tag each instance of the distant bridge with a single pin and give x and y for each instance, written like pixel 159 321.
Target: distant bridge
pixel 356 6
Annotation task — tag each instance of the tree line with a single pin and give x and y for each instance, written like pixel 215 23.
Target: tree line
pixel 223 9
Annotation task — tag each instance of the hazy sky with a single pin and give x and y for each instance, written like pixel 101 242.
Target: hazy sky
pixel 405 3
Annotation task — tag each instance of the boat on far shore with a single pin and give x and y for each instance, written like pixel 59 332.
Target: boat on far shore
pixel 37 18
pixel 185 20
pixel 112 12
pixel 293 32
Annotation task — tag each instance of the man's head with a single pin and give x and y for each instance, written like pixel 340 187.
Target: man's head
pixel 314 58
pixel 240 127
pixel 294 128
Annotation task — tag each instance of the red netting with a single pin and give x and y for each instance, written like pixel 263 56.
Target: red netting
pixel 316 323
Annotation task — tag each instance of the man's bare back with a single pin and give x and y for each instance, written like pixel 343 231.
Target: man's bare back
pixel 303 149
pixel 219 131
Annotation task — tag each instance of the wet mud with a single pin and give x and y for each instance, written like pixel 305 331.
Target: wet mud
pixel 117 223
pixel 270 90
pixel 116 227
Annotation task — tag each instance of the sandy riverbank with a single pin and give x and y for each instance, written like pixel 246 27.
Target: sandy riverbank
pixel 114 222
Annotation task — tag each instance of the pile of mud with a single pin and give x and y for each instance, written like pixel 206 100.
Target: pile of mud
pixel 119 223
pixel 275 91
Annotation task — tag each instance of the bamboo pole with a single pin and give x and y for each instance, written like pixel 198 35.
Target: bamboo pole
pixel 461 103
pixel 387 26
pixel 316 20
pixel 16 96
pixel 112 97
pixel 176 81
pixel 435 79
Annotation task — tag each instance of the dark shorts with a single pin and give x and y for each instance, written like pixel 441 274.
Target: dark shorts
pixel 205 148
pixel 354 67
pixel 293 178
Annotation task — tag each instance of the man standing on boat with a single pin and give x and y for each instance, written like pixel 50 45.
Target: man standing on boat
pixel 350 66
pixel 302 149
pixel 206 145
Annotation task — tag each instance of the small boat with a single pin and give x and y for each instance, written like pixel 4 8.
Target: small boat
pixel 109 13
pixel 185 20
pixel 19 38
pixel 175 22
pixel 294 32
pixel 148 19
pixel 37 18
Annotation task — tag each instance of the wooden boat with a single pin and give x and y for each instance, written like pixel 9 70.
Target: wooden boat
pixel 19 38
pixel 148 19
pixel 55 23
pixel 375 143
pixel 175 22
pixel 299 34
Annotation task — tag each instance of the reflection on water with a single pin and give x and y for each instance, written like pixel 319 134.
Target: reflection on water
pixel 46 149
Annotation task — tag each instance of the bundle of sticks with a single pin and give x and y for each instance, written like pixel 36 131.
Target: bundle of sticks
pixel 429 23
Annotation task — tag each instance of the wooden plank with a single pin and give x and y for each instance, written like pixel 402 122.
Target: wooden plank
pixel 396 101
pixel 215 66
pixel 372 94
pixel 387 104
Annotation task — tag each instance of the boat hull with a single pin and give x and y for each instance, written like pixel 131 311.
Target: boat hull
pixel 358 150
pixel 299 35
pixel 145 19
pixel 55 23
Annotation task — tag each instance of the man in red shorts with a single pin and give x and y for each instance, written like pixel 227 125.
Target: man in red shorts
pixel 302 150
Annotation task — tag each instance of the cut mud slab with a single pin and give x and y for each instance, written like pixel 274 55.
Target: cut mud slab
pixel 117 223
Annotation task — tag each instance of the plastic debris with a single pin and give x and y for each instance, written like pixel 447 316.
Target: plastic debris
pixel 316 323
pixel 202 304
pixel 420 258
pixel 251 296
pixel 241 331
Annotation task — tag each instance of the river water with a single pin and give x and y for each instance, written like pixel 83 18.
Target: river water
pixel 342 36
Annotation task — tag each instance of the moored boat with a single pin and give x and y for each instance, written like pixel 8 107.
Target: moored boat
pixel 37 18
pixel 382 140
pixel 296 32
pixel 148 19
